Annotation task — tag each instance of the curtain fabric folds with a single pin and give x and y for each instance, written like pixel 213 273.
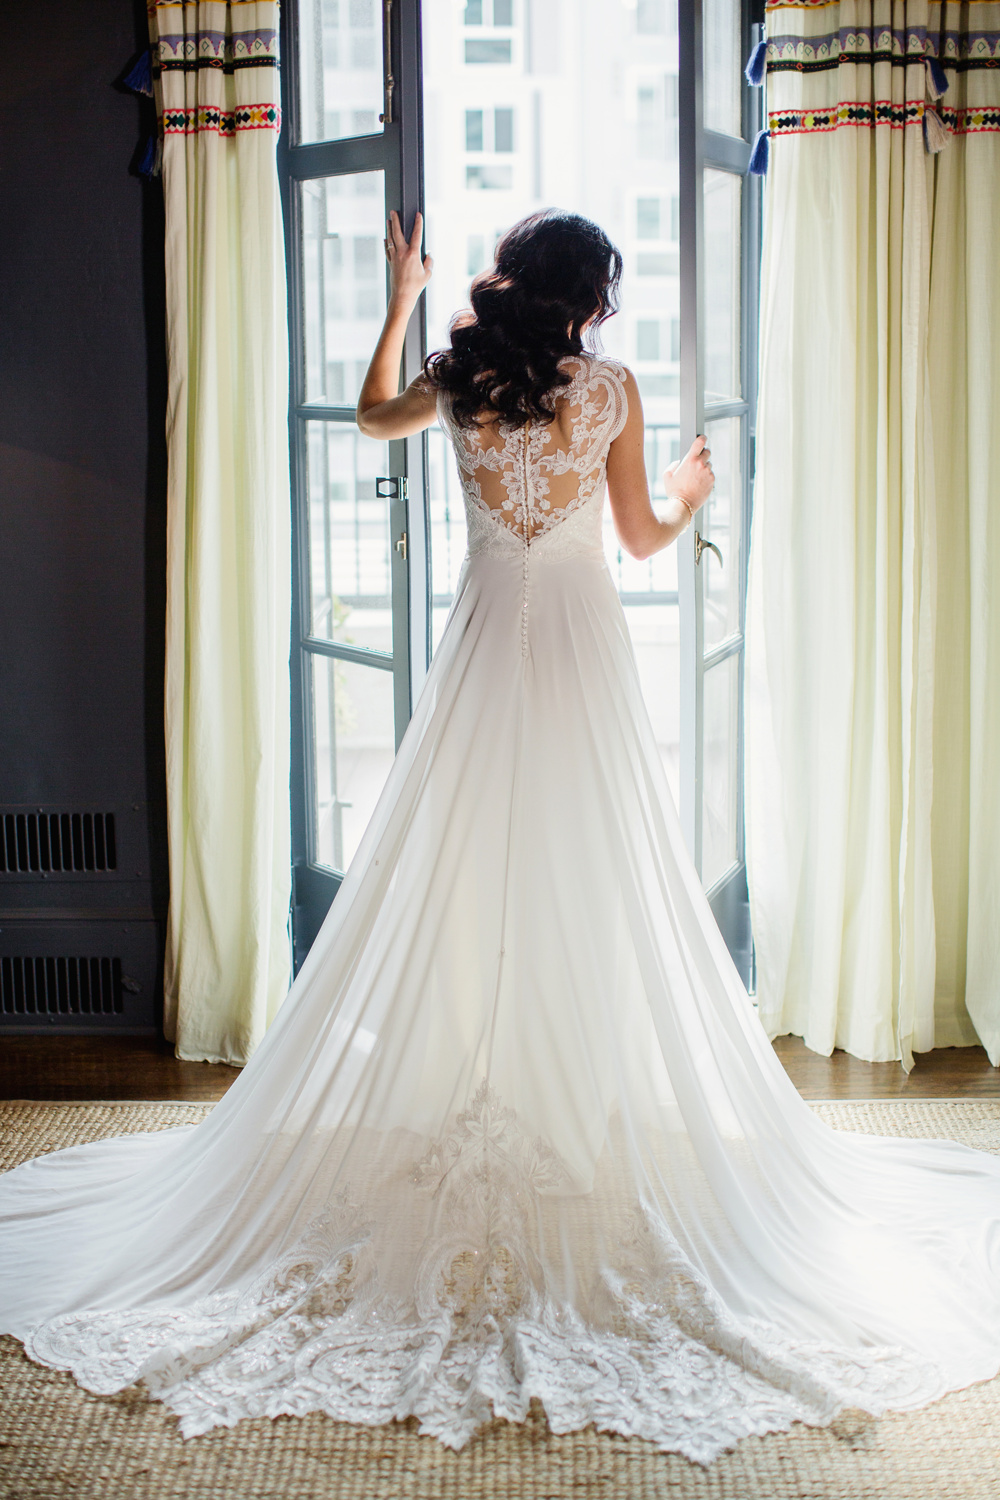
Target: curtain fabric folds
pixel 873 666
pixel 228 542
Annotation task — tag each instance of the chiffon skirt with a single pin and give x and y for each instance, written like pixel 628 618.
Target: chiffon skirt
pixel 516 1131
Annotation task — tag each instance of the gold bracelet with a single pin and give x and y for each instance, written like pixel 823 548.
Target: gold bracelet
pixel 686 504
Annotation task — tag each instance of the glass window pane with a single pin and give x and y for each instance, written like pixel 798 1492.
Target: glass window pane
pixel 647 339
pixel 723 199
pixel 340 69
pixel 721 522
pixel 720 769
pixel 722 67
pixel 489 52
pixel 343 282
pixel 647 218
pixel 353 748
pixel 651 17
pixel 503 130
pixel 489 179
pixel 349 552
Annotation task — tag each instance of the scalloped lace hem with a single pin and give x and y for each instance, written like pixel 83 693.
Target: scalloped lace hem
pixel 645 1347
pixel 672 1369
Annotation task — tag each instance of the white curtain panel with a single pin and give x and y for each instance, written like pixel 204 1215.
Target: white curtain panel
pixel 873 664
pixel 228 543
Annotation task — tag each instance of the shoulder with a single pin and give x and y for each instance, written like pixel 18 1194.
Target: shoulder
pixel 423 388
pixel 621 389
pixel 592 371
pixel 616 378
pixel 618 373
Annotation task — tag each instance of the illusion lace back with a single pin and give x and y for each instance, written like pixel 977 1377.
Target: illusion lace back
pixel 516 1132
pixel 532 479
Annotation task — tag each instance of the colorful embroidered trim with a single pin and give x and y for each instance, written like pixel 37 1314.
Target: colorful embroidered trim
pixel 205 117
pixel 216 49
pixel 847 112
pixel 881 112
pixel 969 121
pixel 865 46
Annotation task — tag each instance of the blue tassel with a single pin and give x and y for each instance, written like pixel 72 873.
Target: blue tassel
pixel 140 78
pixel 759 153
pixel 149 162
pixel 938 75
pixel 757 65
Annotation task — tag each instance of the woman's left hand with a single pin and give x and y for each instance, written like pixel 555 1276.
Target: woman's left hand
pixel 408 273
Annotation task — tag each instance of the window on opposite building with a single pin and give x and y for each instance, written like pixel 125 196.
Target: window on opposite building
pixel 475 260
pixel 487 50
pixel 651 134
pixel 656 263
pixel 489 130
pixel 647 218
pixel 482 13
pixel 503 130
pixel 658 339
pixel 490 178
pixel 647 339
pixel 651 17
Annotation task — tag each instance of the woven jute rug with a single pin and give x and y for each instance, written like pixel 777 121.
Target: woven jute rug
pixel 57 1441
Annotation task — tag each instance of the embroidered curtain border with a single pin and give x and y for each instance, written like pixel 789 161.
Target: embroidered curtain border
pixel 211 52
pixel 803 43
pixel 879 112
pixel 202 117
pixel 177 48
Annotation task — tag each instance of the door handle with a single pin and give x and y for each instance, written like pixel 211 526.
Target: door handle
pixel 700 545
pixel 388 82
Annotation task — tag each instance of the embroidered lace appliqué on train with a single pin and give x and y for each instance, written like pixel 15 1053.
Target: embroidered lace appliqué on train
pixel 474 1326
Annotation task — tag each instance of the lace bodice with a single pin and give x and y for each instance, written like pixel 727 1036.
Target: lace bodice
pixel 540 488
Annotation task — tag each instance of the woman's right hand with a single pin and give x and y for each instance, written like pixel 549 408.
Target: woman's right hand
pixel 408 273
pixel 691 477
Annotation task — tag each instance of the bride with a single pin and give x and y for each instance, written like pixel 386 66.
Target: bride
pixel 516 1132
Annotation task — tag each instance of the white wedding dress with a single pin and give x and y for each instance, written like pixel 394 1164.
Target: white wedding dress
pixel 516 1131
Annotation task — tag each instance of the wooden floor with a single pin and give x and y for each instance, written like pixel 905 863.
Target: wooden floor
pixel 45 1067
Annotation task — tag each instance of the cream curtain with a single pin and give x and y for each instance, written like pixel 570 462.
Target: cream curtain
pixel 873 661
pixel 228 545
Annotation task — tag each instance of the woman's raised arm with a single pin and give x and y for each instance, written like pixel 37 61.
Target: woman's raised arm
pixel 382 411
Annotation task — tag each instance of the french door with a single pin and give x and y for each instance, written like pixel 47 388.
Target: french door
pixel 719 266
pixel 351 151
pixel 480 112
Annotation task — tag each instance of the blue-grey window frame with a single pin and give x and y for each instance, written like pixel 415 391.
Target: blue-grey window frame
pixel 397 151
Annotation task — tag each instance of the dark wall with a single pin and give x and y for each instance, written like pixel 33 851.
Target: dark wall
pixel 82 519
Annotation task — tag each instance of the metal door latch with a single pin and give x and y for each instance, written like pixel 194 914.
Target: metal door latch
pixel 401 546
pixel 700 545
pixel 393 488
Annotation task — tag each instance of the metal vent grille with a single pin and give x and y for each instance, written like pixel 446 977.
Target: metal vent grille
pixel 60 986
pixel 37 841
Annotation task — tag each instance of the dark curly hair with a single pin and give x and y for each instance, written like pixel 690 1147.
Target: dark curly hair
pixel 554 274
